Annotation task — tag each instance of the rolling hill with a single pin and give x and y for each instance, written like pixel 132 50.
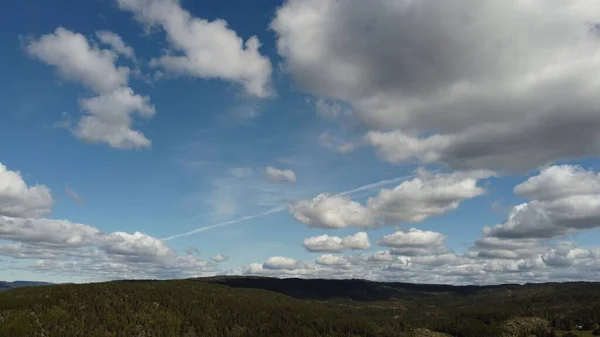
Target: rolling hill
pixel 256 306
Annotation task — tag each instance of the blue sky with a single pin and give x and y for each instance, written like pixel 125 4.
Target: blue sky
pixel 162 117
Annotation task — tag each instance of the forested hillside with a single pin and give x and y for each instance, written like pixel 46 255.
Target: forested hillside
pixel 242 307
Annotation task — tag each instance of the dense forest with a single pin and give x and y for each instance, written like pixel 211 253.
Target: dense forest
pixel 235 306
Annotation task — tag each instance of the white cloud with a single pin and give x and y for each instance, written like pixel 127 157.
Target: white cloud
pixel 412 238
pixel 414 242
pixel 563 255
pixel 332 260
pixel 507 97
pixel 101 266
pixel 48 232
pixel 560 181
pixel 412 201
pixel 326 243
pixel 359 240
pixel 108 116
pixel 220 258
pixel 79 62
pixel 330 211
pixel 383 256
pixel 137 245
pixel 565 199
pixel 399 266
pixel 561 262
pixel 398 147
pixel 285 263
pixel 275 175
pixel 116 43
pixel 204 49
pixel 19 200
pixel 427 195
pixel 68 248
pixel 109 119
pixel 436 260
pixel 506 248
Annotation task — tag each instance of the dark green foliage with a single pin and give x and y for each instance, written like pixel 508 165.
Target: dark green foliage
pixel 235 307
pixel 178 308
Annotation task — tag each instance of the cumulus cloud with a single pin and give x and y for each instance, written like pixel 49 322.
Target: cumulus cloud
pixel 19 200
pixel 506 248
pixel 220 258
pixel 283 263
pixel 414 242
pixel 427 195
pixel 47 231
pixel 413 200
pixel 108 117
pixel 564 255
pixel 383 256
pixel 560 181
pixel 332 260
pixel 275 175
pixel 413 238
pixel 116 43
pixel 326 243
pixel 451 82
pixel 137 245
pixel 68 248
pixel 564 199
pixel 560 262
pixel 331 211
pixel 202 48
pixel 76 60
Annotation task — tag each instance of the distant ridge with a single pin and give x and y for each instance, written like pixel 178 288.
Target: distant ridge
pixel 20 284
pixel 358 289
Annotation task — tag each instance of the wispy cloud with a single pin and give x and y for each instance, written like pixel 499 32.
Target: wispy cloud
pixel 284 207
pixel 78 199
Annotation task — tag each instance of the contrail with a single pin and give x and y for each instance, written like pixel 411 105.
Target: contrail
pixel 226 223
pixel 283 208
pixel 377 184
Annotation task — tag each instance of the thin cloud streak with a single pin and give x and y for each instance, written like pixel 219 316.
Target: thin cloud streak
pixel 226 223
pixel 283 208
pixel 377 184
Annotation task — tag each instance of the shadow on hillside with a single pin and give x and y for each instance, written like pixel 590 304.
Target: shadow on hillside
pixel 354 289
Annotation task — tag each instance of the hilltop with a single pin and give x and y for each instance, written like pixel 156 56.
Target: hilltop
pixel 19 284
